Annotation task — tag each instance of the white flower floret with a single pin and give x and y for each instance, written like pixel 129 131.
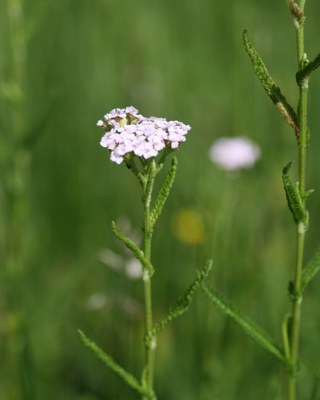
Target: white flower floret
pixel 157 142
pixel 115 157
pixel 130 133
pixel 116 113
pixel 131 110
pixel 159 122
pixel 145 150
pixel 234 153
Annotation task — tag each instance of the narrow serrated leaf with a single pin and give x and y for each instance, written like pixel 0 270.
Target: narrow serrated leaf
pixel 310 271
pixel 110 363
pixel 138 253
pixel 249 327
pixel 270 87
pixel 294 201
pixel 183 302
pixel 164 192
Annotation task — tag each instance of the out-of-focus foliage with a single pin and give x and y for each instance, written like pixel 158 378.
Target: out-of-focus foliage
pixel 63 64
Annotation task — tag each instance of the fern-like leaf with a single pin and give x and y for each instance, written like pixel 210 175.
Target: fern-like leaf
pixel 270 87
pixel 310 271
pixel 183 302
pixel 138 253
pixel 252 329
pixel 164 192
pixel 110 363
pixel 294 201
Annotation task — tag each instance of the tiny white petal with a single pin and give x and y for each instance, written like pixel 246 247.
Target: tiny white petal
pixel 131 110
pixel 174 145
pixel 115 157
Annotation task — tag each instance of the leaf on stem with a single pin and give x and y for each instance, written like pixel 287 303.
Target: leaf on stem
pixel 164 192
pixel 294 201
pixel 310 271
pixel 269 85
pixel 252 329
pixel 305 72
pixel 109 362
pixel 183 302
pixel 138 253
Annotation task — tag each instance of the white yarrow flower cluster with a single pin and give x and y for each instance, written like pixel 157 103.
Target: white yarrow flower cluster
pixel 234 153
pixel 129 133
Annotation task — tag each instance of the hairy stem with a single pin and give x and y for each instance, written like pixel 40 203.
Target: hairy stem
pixel 297 297
pixel 147 228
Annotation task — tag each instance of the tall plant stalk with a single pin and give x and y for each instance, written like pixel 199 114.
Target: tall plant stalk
pixel 300 226
pixel 150 346
pixel 143 145
pixel 296 195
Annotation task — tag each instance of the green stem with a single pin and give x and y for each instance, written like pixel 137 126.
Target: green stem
pixel 150 347
pixel 296 313
pixel 297 299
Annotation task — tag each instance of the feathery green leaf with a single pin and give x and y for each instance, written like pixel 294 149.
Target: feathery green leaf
pixel 310 271
pixel 294 201
pixel 109 362
pixel 183 302
pixel 138 253
pixel 164 192
pixel 251 328
pixel 269 85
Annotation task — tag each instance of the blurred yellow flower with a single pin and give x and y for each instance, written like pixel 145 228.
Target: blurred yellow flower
pixel 188 226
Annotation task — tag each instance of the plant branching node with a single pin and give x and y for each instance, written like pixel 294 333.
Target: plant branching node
pixel 306 70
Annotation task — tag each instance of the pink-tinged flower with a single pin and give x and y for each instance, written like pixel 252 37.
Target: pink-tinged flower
pixel 129 133
pixel 116 157
pixel 232 153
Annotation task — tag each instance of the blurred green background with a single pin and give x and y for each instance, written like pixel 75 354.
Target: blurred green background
pixel 63 65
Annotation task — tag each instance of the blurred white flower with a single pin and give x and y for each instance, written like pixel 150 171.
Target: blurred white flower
pixel 111 259
pixel 131 266
pixel 96 301
pixel 133 269
pixel 122 260
pixel 232 153
pixel 127 304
